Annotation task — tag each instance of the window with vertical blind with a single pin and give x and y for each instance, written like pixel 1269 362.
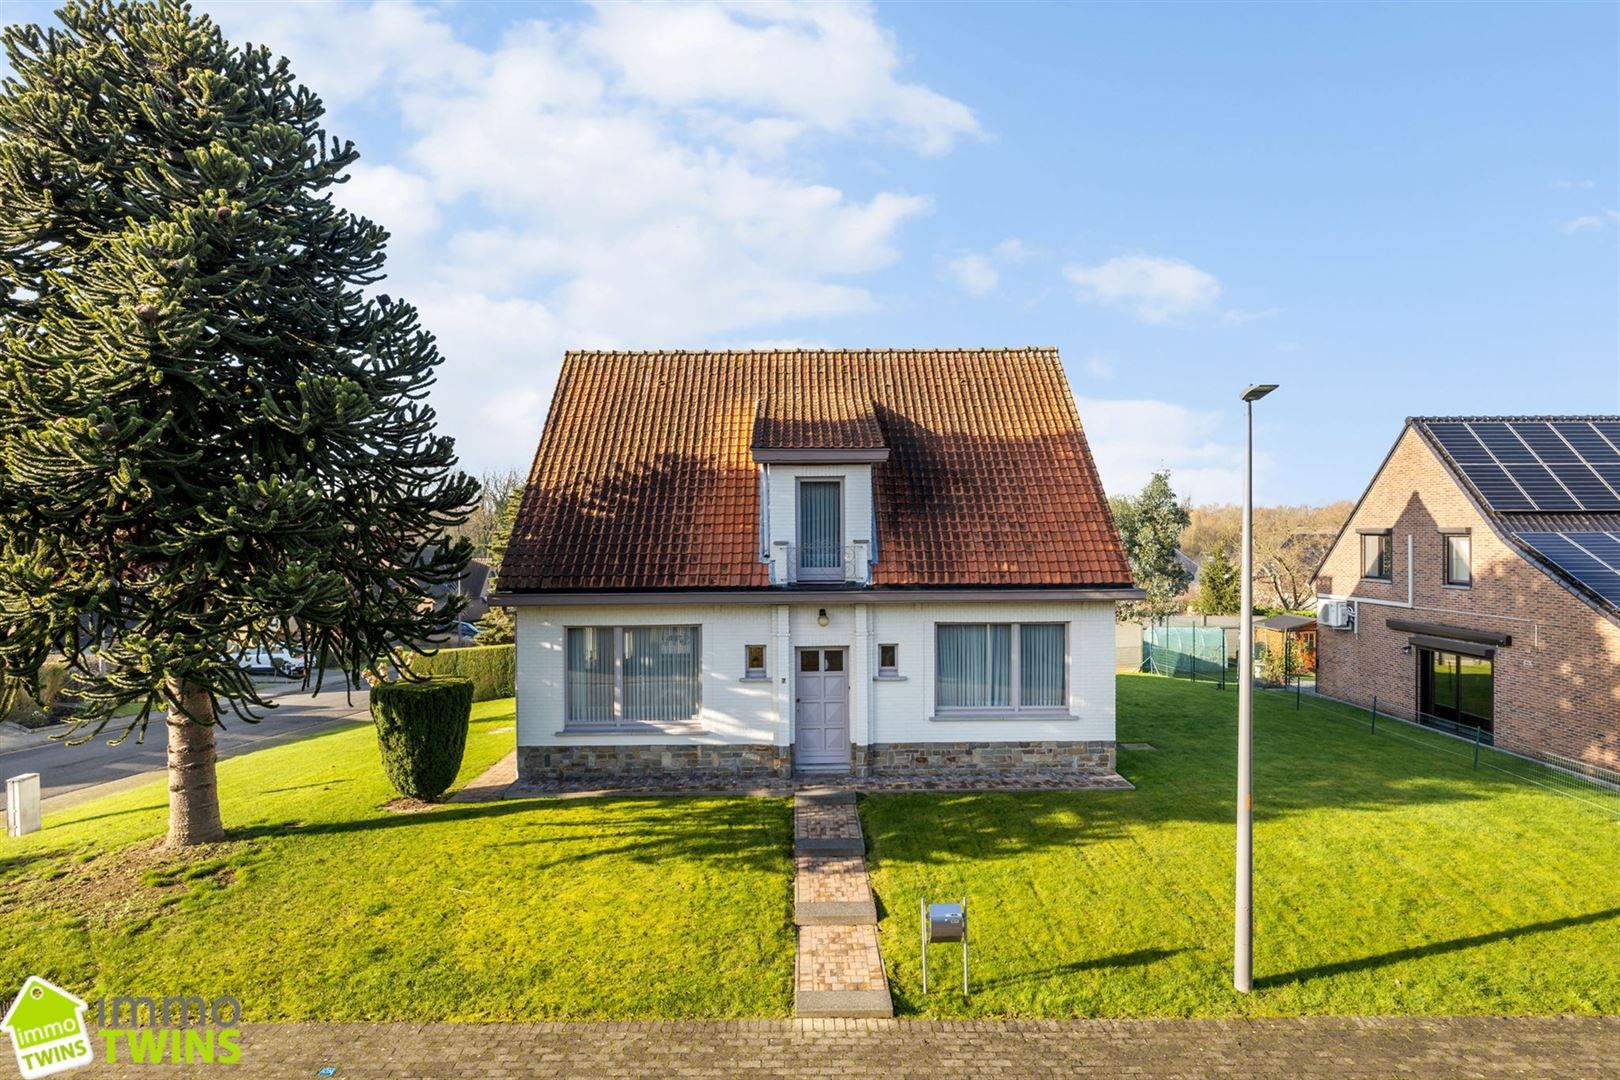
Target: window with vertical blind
pixel 628 676
pixel 821 529
pixel 1000 667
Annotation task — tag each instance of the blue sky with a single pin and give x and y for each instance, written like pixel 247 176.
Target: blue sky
pixel 1388 209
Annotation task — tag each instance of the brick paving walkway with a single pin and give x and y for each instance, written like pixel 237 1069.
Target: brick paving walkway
pixel 839 970
pixel 830 879
pixel 1430 1048
pixel 492 784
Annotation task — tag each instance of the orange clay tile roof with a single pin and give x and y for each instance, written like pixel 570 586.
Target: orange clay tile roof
pixel 644 479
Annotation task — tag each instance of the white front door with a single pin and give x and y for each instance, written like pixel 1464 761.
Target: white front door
pixel 821 710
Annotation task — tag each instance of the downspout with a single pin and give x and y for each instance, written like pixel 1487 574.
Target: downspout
pixel 1407 603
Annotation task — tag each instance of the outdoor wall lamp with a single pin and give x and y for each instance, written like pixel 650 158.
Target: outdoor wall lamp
pixel 821 617
pixel 1406 650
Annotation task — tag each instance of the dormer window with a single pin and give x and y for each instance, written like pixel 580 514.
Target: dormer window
pixel 820 552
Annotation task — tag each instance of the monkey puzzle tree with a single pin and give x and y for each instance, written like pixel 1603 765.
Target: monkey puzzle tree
pixel 211 438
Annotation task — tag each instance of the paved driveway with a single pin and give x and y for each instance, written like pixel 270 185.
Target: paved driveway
pixel 1343 1048
pixel 67 772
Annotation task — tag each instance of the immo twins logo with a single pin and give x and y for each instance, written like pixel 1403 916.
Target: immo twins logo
pixel 46 1025
pixel 48 1035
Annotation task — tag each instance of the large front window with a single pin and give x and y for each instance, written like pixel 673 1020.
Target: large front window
pixel 632 675
pixel 1000 667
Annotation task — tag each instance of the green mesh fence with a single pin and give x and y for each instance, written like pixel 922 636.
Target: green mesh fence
pixel 1195 652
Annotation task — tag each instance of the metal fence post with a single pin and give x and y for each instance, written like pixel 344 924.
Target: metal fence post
pixel 1477 732
pixel 1375 714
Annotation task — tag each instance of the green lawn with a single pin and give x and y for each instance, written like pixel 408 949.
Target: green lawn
pixel 1389 878
pixel 325 906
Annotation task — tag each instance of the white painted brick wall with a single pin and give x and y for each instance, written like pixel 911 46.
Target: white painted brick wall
pixel 784 500
pixel 881 711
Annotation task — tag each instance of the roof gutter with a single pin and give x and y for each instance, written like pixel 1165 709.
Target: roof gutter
pixel 1105 594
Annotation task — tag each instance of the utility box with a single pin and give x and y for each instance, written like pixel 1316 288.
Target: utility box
pixel 22 804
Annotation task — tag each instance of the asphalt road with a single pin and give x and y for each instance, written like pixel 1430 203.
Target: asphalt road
pixel 70 770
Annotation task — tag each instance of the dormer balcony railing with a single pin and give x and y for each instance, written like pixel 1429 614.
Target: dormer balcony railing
pixel 819 564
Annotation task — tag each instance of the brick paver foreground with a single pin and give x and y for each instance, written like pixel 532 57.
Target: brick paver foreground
pixel 1586 1047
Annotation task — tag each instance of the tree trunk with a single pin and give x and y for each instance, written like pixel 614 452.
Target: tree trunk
pixel 193 790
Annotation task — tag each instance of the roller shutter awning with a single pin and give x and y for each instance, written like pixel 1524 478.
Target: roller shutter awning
pixel 1466 648
pixel 1456 635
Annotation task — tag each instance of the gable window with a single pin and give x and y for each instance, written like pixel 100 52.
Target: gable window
pixel 1375 555
pixel 1459 558
pixel 1002 667
pixel 888 661
pixel 754 661
pixel 627 676
pixel 821 530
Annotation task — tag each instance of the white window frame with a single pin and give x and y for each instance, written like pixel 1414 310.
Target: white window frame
pixel 755 674
pixel 822 573
pixel 1015 688
pixel 891 671
pixel 619 723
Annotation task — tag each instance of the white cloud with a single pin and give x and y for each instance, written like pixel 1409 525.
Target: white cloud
pixel 977 275
pixel 825 66
pixel 1101 365
pixel 1589 222
pixel 973 274
pixel 399 201
pixel 1571 185
pixel 1239 317
pixel 609 181
pixel 1012 250
pixel 1152 288
pixel 1131 439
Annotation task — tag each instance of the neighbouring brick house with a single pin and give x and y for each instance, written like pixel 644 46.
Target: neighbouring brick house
pixel 818 560
pixel 1478 584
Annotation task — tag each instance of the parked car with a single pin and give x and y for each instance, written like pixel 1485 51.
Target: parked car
pixel 273 662
pixel 464 629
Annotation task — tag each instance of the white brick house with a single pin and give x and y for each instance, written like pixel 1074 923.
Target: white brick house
pixel 841 561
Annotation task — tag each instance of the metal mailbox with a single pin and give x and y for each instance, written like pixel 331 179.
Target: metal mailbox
pixel 944 922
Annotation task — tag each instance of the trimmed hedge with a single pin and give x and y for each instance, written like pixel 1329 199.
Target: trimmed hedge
pixel 422 732
pixel 492 668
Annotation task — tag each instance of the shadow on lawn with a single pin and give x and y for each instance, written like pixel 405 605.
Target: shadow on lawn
pixel 733 831
pixel 112 814
pixel 1304 765
pixel 1136 958
pixel 1417 952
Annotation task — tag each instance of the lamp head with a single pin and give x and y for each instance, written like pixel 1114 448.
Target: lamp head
pixel 821 617
pixel 1255 393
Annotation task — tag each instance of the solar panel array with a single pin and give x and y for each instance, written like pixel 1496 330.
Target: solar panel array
pixel 1556 466
pixel 1592 558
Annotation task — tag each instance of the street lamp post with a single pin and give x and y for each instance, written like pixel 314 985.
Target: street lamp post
pixel 1243 951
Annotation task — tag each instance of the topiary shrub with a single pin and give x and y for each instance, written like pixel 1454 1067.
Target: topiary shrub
pixel 492 668
pixel 422 732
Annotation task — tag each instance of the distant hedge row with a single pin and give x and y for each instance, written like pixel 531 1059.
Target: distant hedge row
pixel 492 668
